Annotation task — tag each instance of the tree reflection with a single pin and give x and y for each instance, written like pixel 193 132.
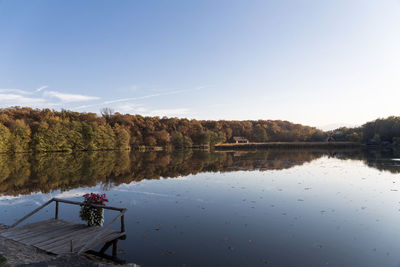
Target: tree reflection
pixel 28 173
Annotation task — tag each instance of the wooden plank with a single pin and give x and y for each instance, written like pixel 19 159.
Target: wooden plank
pixel 59 237
pixel 73 235
pixel 94 238
pixel 39 229
pixel 106 237
pixel 51 235
pixel 16 232
pixel 21 228
pixel 73 232
pixel 79 241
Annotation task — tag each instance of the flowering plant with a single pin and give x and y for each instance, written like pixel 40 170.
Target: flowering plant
pixel 94 216
pixel 95 198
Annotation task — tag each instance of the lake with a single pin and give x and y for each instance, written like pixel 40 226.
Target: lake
pixel 198 208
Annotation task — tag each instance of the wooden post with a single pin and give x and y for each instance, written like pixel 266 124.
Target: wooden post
pixel 122 223
pixel 56 210
pixel 72 248
pixel 115 248
pixel 105 247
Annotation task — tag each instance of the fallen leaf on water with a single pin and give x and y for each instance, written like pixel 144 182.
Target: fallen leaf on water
pixel 168 252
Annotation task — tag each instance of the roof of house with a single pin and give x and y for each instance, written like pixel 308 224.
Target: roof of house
pixel 239 138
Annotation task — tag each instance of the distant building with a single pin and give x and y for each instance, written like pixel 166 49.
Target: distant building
pixel 239 139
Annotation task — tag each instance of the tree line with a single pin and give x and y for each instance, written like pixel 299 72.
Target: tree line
pixel 26 129
pixel 379 131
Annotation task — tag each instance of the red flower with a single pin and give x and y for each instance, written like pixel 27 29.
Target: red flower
pixel 95 198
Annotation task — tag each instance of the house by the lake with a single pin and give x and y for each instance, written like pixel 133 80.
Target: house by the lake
pixel 240 139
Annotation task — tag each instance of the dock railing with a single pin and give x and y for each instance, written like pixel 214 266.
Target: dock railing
pixel 58 200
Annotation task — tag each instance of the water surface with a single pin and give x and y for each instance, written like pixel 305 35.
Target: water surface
pixel 193 208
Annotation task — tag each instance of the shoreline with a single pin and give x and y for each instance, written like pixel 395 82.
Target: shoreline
pixel 269 145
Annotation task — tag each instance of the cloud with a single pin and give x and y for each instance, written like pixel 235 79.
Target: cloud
pixel 41 88
pixel 154 95
pixel 19 99
pixel 16 91
pixel 169 112
pixel 141 109
pixel 129 108
pixel 143 97
pixel 69 97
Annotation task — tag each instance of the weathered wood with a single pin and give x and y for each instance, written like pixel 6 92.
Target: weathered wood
pixel 94 238
pixel 102 240
pixel 63 247
pixel 123 223
pixel 31 213
pixel 105 247
pixel 59 237
pixel 115 248
pixel 56 216
pixel 68 234
pixel 38 229
pixel 75 234
pixel 54 236
pixel 93 205
pixel 35 240
pixel 26 229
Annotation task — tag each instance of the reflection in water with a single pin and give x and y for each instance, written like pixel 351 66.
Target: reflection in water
pixel 298 208
pixel 27 173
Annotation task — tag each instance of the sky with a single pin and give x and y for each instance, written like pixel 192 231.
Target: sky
pixel 313 62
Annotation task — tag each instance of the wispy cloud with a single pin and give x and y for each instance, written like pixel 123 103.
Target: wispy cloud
pixel 69 97
pixel 141 109
pixel 154 95
pixel 39 98
pixel 122 100
pixel 16 91
pixel 169 112
pixel 41 88
pixel 16 99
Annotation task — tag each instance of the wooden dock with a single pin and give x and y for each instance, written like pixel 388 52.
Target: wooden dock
pixel 62 237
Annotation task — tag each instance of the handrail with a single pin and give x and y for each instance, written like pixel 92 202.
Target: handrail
pixel 31 213
pixel 121 210
pixel 101 232
pixel 93 205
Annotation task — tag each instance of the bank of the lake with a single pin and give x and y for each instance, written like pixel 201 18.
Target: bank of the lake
pixel 285 145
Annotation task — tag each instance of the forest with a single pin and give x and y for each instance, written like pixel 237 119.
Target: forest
pixel 24 129
pixel 383 131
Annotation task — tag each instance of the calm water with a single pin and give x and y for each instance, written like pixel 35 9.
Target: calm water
pixel 263 208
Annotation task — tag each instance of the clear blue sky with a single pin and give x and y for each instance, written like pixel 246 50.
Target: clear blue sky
pixel 312 62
